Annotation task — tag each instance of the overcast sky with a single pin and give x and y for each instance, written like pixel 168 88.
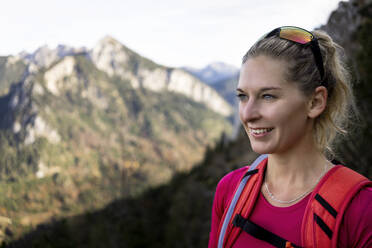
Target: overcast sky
pixel 170 32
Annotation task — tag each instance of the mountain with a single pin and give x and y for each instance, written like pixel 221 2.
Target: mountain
pixel 112 57
pixel 80 128
pixel 224 79
pixel 45 56
pixel 213 72
pixel 227 89
pixel 16 68
pixel 109 55
pixel 178 214
pixel 12 69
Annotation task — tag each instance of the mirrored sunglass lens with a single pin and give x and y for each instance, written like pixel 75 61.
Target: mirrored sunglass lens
pixel 296 35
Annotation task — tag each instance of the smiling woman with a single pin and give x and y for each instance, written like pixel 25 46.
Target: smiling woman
pixel 294 98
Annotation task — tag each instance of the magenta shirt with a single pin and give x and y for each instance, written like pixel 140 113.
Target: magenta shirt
pixel 356 228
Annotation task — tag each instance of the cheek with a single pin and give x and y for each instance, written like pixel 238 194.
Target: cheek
pixel 293 122
pixel 288 115
pixel 241 113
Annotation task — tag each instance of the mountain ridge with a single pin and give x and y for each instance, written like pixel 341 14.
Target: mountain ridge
pixel 213 72
pixel 73 137
pixel 114 58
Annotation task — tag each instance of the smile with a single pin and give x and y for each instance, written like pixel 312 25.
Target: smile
pixel 260 130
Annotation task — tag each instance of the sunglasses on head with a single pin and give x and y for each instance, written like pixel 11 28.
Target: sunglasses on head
pixel 304 37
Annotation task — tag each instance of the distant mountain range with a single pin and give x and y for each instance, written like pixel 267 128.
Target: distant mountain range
pixel 214 72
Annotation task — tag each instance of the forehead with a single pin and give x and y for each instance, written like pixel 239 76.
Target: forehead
pixel 262 72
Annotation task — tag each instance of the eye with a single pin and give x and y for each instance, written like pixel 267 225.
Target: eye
pixel 268 96
pixel 242 97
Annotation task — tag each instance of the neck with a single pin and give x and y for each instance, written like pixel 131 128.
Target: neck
pixel 297 163
pixel 296 168
pixel 291 173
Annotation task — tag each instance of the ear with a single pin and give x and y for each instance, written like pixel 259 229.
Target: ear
pixel 318 102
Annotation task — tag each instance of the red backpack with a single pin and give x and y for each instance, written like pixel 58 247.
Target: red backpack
pixel 323 214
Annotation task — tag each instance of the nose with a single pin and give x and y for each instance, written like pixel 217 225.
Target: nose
pixel 249 111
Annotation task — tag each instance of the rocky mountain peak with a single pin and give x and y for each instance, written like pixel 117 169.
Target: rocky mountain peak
pixel 108 39
pixel 44 56
pixel 109 55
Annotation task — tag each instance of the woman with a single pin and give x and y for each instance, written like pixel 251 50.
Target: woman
pixel 295 96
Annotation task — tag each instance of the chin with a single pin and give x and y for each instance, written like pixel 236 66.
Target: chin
pixel 262 150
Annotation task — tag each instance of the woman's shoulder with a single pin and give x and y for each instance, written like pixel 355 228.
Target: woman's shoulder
pixel 233 177
pixel 361 204
pixel 226 186
pixel 361 201
pixel 364 197
pixel 356 228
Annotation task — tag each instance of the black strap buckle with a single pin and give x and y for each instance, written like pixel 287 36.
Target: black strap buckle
pixel 261 233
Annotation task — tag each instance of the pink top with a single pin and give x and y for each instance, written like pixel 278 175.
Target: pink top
pixel 356 229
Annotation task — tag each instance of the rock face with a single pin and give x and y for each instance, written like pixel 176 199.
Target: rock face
pixel 110 56
pixel 39 128
pixel 12 70
pixel 115 59
pixel 224 79
pixel 344 22
pixel 350 25
pixel 183 83
pixel 20 114
pixel 18 99
pixel 55 75
pixel 44 56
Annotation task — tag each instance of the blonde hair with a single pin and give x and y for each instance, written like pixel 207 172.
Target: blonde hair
pixel 303 71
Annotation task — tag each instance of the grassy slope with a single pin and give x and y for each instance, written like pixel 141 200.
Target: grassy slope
pixel 10 74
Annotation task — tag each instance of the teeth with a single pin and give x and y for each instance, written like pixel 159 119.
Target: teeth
pixel 259 131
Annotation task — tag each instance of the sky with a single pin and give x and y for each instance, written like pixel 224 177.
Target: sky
pixel 173 33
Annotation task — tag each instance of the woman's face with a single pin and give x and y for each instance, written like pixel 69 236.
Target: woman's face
pixel 273 112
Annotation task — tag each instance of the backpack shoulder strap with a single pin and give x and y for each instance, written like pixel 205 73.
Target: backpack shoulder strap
pixel 237 202
pixel 327 204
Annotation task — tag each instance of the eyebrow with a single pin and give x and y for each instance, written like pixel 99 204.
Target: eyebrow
pixel 262 89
